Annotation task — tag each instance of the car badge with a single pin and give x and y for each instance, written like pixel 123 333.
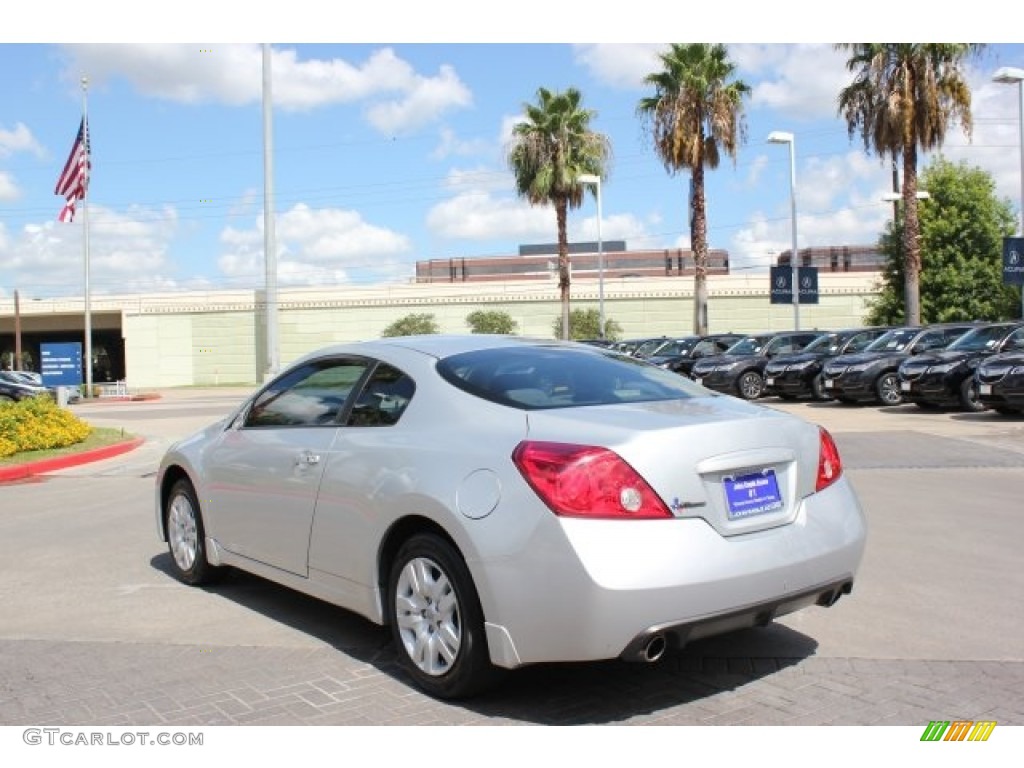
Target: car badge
pixel 678 506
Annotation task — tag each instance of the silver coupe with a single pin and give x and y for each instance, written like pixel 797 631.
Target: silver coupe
pixel 499 501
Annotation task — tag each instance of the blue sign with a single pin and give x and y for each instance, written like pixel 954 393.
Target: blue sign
pixel 1013 260
pixel 782 285
pixel 61 364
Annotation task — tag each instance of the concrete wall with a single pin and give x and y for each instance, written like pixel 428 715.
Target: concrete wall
pixel 219 337
pixel 205 339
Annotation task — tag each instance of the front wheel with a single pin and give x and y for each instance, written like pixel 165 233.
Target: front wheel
pixel 436 619
pixel 888 389
pixel 969 398
pixel 818 389
pixel 750 385
pixel 186 537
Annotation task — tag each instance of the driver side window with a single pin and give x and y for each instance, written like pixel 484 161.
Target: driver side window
pixel 308 396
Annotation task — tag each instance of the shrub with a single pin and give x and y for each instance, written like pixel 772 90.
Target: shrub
pixel 38 424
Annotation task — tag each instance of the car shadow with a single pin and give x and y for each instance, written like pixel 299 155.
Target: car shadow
pixel 545 694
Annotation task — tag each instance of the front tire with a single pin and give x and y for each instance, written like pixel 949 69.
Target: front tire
pixel 750 385
pixel 436 620
pixel 969 398
pixel 888 389
pixel 186 536
pixel 818 389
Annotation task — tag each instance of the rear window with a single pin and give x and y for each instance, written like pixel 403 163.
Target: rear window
pixel 541 377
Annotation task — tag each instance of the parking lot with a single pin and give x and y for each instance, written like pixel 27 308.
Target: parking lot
pixel 94 630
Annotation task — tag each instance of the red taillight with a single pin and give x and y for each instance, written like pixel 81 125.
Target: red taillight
pixel 586 481
pixel 830 466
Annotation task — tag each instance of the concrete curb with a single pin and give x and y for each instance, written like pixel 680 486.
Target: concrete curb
pixel 29 469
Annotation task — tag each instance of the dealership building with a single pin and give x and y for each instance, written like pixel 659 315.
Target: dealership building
pixel 207 338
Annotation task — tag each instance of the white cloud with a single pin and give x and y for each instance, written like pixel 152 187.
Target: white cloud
pixel 127 252
pixel 316 245
pixel 423 99
pixel 233 75
pixel 478 215
pixel 450 145
pixel 800 81
pixel 623 226
pixel 19 140
pixel 620 65
pixel 8 188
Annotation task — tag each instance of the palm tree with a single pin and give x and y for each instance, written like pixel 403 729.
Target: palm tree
pixel 550 149
pixel 903 98
pixel 695 114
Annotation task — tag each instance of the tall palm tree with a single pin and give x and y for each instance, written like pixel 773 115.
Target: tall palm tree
pixel 551 148
pixel 903 98
pixel 694 116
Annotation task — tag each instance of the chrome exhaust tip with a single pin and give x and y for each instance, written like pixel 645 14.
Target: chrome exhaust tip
pixel 654 648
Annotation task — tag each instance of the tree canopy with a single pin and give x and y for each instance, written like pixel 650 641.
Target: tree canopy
pixel 962 225
pixel 491 321
pixel 586 324
pixel 412 325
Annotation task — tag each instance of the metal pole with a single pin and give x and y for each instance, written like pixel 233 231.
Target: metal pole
pixel 792 205
pixel 1020 101
pixel 17 331
pixel 600 263
pixel 87 357
pixel 269 246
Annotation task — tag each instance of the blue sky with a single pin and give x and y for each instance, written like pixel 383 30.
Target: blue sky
pixel 390 153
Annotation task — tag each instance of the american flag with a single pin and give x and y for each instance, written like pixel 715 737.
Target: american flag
pixel 74 181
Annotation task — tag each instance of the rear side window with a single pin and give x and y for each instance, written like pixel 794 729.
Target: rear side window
pixel 383 399
pixel 541 377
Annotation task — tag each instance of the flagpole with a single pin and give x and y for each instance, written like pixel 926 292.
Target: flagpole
pixel 269 243
pixel 87 357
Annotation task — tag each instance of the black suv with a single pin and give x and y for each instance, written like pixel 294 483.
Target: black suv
pixel 873 375
pixel 679 355
pixel 740 369
pixel 946 378
pixel 1000 379
pixel 799 375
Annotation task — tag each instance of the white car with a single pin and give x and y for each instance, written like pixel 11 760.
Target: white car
pixel 499 502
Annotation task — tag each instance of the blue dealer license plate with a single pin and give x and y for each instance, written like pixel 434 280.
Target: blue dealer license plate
pixel 754 494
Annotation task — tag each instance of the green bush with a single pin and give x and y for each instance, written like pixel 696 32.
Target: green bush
pixel 38 424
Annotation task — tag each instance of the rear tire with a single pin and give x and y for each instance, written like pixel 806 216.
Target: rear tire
pixel 436 620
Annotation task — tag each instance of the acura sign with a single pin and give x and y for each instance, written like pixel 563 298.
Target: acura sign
pixel 781 291
pixel 1013 260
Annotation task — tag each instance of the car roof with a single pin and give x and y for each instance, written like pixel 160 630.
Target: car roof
pixel 437 345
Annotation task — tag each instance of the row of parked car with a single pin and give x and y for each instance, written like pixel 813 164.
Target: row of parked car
pixel 21 385
pixel 971 365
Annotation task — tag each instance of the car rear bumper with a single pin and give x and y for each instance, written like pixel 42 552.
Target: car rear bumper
pixel 622 584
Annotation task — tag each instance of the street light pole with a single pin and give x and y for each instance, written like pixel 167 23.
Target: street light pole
pixel 784 137
pixel 589 178
pixel 1010 75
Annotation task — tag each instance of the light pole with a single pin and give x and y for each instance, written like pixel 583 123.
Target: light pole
pixel 784 137
pixel 590 178
pixel 1012 75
